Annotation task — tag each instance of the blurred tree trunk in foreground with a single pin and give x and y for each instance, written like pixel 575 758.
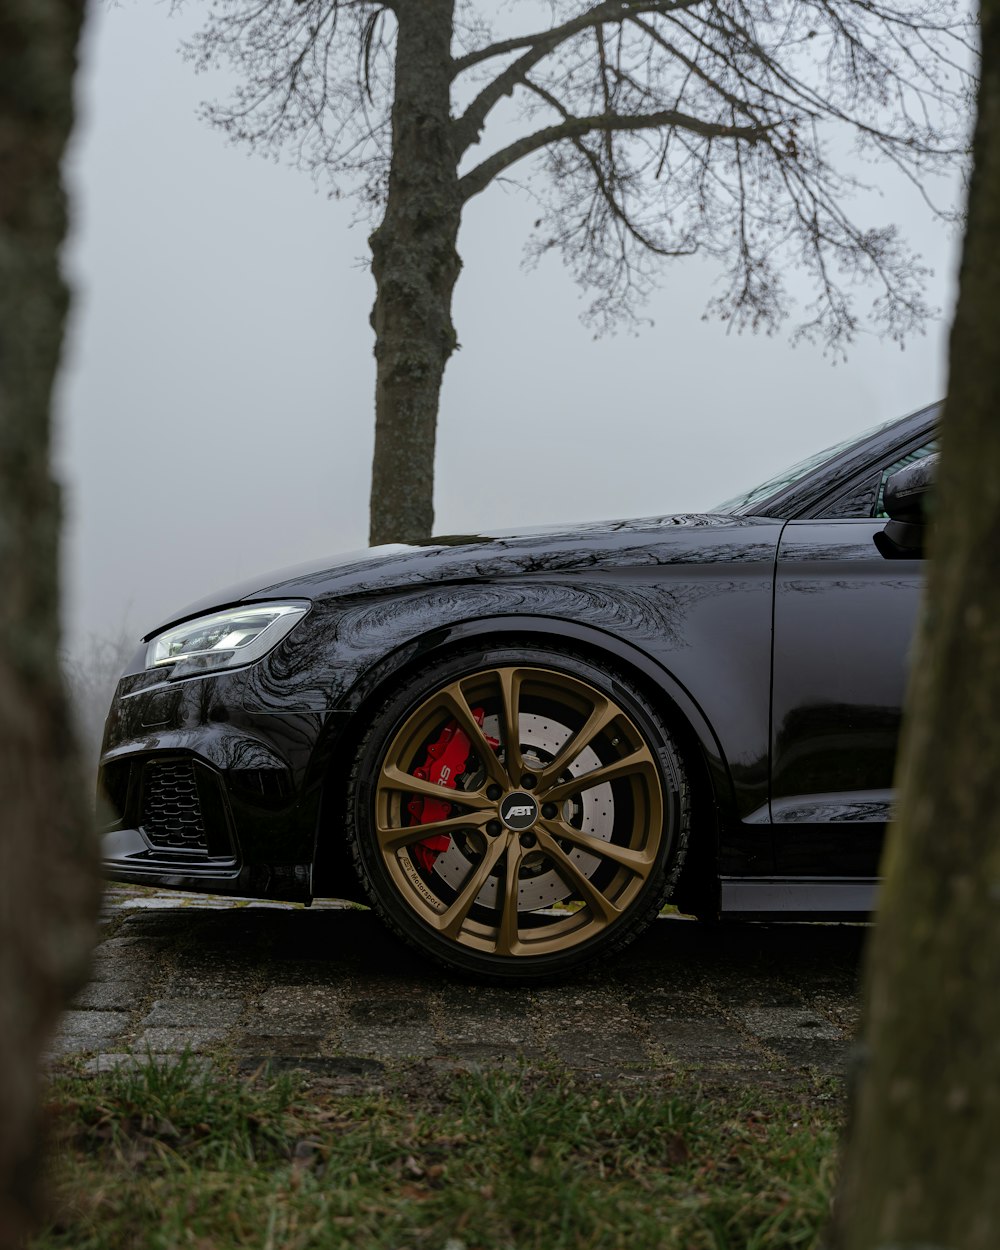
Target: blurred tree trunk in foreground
pixel 48 888
pixel 922 1167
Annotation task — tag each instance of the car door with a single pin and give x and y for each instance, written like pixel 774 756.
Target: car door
pixel 844 619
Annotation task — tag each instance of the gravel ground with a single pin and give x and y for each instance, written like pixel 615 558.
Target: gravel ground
pixel 327 990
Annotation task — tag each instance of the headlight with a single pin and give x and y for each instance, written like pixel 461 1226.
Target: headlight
pixel 226 639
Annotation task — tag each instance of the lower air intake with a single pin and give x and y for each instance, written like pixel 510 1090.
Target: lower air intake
pixel 171 806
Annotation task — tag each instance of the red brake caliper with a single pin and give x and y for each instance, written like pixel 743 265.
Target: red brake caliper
pixel 446 761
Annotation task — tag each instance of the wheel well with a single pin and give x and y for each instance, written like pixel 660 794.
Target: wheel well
pixel 697 888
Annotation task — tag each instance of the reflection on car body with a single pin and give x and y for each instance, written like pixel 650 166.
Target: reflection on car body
pixel 518 747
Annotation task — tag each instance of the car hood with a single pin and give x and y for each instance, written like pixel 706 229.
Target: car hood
pixel 513 553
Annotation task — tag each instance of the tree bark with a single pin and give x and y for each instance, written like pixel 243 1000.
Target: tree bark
pixel 922 1164
pixel 416 264
pixel 48 890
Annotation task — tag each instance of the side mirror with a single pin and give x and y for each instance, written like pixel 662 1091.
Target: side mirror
pixel 907 490
pixel 904 500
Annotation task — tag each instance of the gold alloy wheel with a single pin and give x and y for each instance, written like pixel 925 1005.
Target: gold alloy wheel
pixel 556 822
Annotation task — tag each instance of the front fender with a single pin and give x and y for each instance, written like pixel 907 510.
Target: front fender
pixel 697 637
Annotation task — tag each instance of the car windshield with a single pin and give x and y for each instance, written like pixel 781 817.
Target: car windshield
pixel 745 501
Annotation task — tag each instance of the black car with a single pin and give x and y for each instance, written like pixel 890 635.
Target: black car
pixel 518 748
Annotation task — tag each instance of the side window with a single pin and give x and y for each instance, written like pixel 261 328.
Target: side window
pixel 859 500
pixel 864 497
pixel 911 458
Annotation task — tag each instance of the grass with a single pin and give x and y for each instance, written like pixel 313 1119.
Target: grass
pixel 158 1158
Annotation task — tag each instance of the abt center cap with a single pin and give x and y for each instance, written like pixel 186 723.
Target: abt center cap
pixel 519 811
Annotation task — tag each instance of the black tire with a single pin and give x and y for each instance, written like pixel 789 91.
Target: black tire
pixel 559 848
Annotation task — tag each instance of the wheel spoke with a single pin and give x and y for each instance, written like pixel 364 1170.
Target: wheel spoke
pixel 602 909
pixel 638 862
pixel 510 699
pixel 640 761
pixel 393 778
pixel 457 704
pixel 601 716
pixel 552 722
pixel 450 922
pixel 507 933
pixel 396 839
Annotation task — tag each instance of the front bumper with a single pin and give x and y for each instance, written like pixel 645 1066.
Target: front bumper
pixel 127 856
pixel 197 792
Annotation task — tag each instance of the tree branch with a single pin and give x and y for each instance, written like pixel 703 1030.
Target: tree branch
pixel 539 45
pixel 478 179
pixel 609 11
pixel 603 182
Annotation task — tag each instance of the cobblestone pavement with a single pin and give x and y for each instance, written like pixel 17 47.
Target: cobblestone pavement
pixel 327 990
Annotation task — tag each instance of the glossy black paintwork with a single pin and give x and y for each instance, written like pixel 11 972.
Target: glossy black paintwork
pixel 267 800
pixel 843 621
pixel 682 605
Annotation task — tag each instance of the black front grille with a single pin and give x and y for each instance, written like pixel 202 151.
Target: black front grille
pixel 171 806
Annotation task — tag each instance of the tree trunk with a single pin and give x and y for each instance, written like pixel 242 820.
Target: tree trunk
pixel 416 265
pixel 922 1165
pixel 48 890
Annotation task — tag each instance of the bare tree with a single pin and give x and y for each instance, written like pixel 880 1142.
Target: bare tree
pixel 922 1167
pixel 646 130
pixel 48 886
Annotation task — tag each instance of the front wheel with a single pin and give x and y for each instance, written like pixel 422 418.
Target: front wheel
pixel 517 812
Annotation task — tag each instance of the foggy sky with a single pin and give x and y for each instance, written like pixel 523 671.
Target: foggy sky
pixel 216 402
